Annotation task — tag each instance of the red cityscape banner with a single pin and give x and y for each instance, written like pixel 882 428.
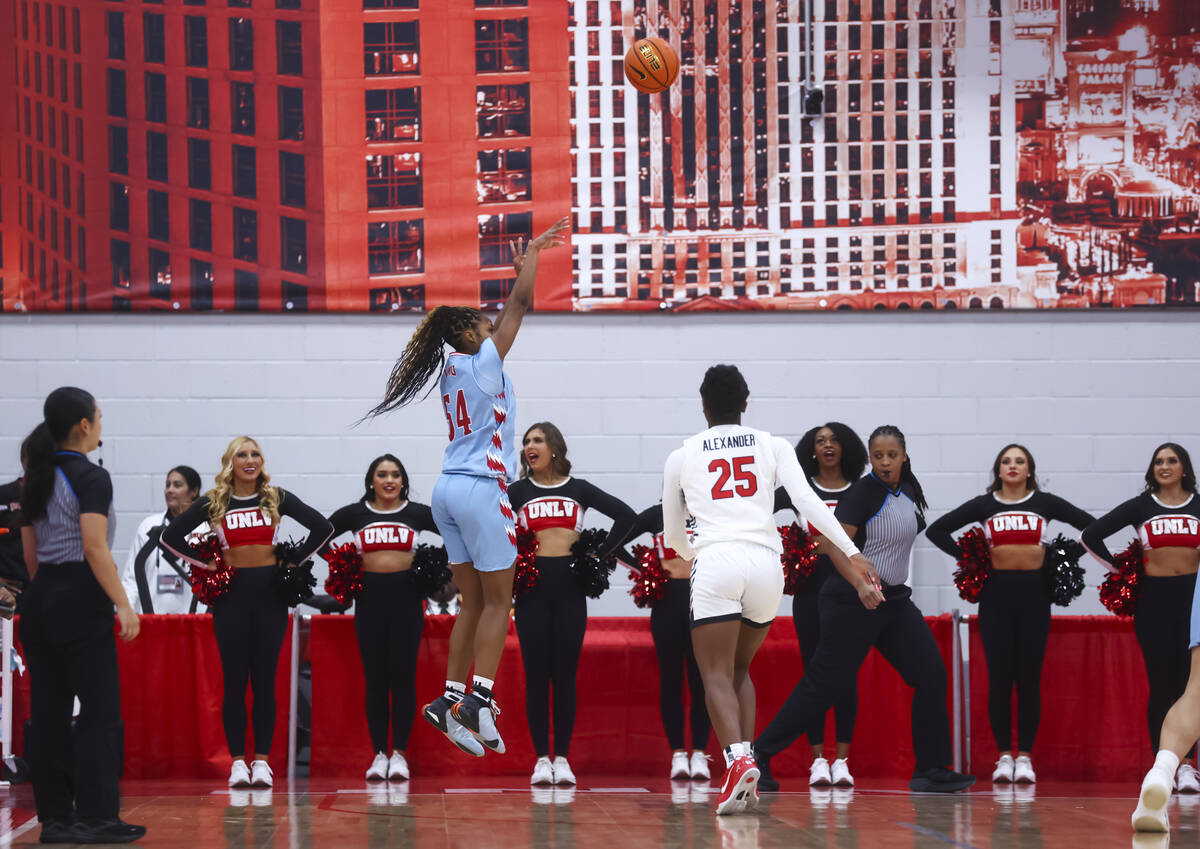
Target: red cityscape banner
pixel 379 155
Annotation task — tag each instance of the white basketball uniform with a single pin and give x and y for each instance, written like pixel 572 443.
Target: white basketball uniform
pixel 726 477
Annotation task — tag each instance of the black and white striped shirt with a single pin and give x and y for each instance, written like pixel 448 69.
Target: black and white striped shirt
pixel 887 522
pixel 80 487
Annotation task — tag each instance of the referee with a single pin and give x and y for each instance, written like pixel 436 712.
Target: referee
pixel 67 627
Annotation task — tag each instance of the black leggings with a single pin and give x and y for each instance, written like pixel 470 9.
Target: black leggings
pixel 670 625
pixel 806 618
pixel 67 634
pixel 388 617
pixel 250 622
pixel 1162 623
pixel 551 619
pixel 1014 625
pixel 848 630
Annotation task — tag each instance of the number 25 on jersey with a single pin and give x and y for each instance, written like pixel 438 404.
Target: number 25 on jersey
pixel 459 417
pixel 745 483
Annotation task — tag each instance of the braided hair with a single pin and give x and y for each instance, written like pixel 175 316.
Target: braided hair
pixel 906 472
pixel 424 356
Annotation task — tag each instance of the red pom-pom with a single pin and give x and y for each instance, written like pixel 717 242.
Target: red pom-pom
pixel 345 573
pixel 649 579
pixel 1119 592
pixel 799 557
pixel 210 586
pixel 525 574
pixel 974 564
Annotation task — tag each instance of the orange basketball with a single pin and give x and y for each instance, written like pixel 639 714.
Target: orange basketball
pixel 651 65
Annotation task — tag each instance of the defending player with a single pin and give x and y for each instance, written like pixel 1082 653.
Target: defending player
pixel 726 478
pixel 470 500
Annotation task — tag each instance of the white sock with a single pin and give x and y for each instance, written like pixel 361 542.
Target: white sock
pixel 482 687
pixel 734 751
pixel 1167 761
pixel 455 690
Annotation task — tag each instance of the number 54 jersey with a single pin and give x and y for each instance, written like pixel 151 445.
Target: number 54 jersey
pixel 726 478
pixel 480 407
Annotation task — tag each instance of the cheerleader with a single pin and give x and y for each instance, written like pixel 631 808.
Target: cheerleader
pixel 67 627
pixel 670 627
pixel 1164 517
pixel 1014 606
pixel 883 512
pixel 389 613
pixel 832 457
pixel 551 617
pixel 250 619
pixel 470 500
pixel 153 578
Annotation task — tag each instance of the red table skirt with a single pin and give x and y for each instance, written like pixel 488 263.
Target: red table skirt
pixel 1094 695
pixel 171 701
pixel 618 730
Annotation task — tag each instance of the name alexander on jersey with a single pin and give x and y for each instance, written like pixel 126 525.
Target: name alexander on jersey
pixel 720 443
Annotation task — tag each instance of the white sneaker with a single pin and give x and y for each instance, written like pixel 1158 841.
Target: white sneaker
pixel 840 775
pixel 818 773
pixel 1151 813
pixel 699 766
pixel 1023 771
pixel 379 767
pixel 239 776
pixel 1187 780
pixel 562 771
pixel 543 772
pixel 679 765
pixel 260 774
pixel 397 768
pixel 1003 774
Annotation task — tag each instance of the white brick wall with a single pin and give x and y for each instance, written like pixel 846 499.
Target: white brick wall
pixel 1090 393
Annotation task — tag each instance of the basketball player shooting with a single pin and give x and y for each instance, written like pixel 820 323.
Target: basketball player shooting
pixel 726 477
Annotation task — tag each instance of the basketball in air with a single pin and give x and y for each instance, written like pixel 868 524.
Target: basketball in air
pixel 651 65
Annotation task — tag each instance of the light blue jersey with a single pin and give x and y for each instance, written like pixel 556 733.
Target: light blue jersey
pixel 480 407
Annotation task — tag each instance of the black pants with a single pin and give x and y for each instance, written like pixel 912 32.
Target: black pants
pixel 848 631
pixel 551 619
pixel 1014 625
pixel 670 625
pixel 250 622
pixel 1162 623
pixel 388 618
pixel 67 633
pixel 806 618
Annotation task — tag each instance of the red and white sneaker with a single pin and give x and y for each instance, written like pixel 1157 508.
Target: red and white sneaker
pixel 739 790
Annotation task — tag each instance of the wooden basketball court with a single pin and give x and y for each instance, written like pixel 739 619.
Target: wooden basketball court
pixel 616 813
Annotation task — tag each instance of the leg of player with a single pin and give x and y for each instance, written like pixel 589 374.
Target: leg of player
pixel 458 666
pixel 723 654
pixel 1180 731
pixel 478 711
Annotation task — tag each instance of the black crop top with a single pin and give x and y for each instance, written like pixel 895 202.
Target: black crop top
pixel 379 530
pixel 1023 522
pixel 541 507
pixel 1157 525
pixel 650 521
pixel 831 497
pixel 246 524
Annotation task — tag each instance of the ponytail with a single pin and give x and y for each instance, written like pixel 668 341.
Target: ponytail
pixel 64 408
pixel 424 355
pixel 906 472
